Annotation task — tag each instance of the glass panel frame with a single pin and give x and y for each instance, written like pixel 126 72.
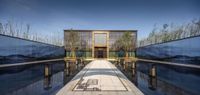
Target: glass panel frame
pixel 100 39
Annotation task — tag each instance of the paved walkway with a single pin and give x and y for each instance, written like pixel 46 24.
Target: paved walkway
pixel 100 77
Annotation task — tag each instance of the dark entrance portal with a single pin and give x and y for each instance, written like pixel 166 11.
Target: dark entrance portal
pixel 100 52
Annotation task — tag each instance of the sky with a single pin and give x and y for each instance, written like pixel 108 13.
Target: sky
pixel 50 16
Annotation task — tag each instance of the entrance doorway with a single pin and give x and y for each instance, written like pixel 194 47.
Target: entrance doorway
pixel 100 52
pixel 100 44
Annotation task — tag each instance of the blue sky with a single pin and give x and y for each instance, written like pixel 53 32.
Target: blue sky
pixel 48 16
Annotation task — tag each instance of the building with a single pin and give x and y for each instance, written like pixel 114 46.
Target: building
pixel 97 43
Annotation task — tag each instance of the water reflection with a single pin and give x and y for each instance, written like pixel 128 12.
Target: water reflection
pixel 44 79
pixel 47 76
pixel 167 81
pixel 152 83
pixel 135 79
pixel 181 51
pixel 154 79
pixel 47 82
pixel 153 86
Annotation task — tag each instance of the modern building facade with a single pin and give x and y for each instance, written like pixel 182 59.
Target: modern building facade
pixel 98 43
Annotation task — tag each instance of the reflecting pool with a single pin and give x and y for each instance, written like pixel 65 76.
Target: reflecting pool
pixel 30 80
pixel 169 80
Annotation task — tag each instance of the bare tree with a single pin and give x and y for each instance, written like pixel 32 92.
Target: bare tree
pixel 173 32
pixel 27 31
pixel 73 41
pixel 24 31
pixel 1 28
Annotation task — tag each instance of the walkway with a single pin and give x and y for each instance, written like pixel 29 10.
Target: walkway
pixel 100 77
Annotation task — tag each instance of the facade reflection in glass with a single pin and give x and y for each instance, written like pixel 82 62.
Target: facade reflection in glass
pixel 100 39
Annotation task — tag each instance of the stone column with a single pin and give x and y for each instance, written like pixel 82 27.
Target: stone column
pixel 133 68
pixel 47 82
pixel 152 71
pixel 124 65
pixel 66 69
pixel 47 70
pixel 47 76
pixel 152 83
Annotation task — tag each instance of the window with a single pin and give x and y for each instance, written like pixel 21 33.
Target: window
pixel 100 39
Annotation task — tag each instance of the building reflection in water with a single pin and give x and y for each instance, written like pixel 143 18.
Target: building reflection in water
pixel 47 83
pixel 52 81
pixel 47 76
pixel 152 80
pixel 152 83
pixel 66 73
pixel 149 82
pixel 42 79
pixel 134 73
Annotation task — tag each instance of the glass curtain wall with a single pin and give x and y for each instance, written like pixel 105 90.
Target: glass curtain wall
pixel 85 45
pixel 115 50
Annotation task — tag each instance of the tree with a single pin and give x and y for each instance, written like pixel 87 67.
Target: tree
pixel 6 29
pixel 196 27
pixel 152 36
pixel 173 32
pixel 165 33
pixel 11 28
pixel 126 42
pixel 27 31
pixel 1 28
pixel 73 40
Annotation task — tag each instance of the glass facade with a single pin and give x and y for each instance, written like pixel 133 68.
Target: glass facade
pixel 100 39
pixel 185 50
pixel 97 43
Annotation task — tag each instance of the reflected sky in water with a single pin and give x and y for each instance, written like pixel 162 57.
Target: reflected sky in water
pixel 169 80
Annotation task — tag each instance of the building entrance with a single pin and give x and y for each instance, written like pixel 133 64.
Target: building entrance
pixel 100 44
pixel 100 52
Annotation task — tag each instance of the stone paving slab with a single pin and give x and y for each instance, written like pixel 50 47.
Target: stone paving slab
pixel 100 77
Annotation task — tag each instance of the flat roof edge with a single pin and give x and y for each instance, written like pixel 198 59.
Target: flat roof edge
pixel 97 30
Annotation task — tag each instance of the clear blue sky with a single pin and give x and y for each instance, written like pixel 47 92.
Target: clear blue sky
pixel 47 16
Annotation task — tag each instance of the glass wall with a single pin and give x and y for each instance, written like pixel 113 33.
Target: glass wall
pixel 16 50
pixel 182 51
pixel 100 39
pixel 114 48
pixel 84 46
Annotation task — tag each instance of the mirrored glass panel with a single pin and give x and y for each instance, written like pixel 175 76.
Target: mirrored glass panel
pixel 100 39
